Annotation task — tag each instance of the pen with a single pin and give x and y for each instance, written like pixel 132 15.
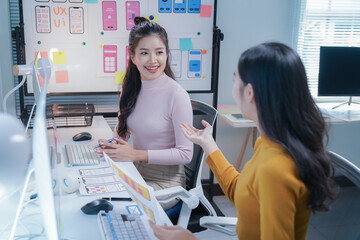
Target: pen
pixel 117 199
pixel 109 140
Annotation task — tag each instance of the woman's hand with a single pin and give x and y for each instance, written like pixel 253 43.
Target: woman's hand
pixel 171 233
pixel 121 151
pixel 201 137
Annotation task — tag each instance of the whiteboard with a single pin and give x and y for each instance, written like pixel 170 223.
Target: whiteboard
pixel 86 41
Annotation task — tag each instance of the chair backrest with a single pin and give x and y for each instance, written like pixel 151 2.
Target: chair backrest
pixel 347 168
pixel 201 111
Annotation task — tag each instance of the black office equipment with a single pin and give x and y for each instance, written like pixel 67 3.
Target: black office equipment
pixel 339 72
pixel 64 115
pixel 94 207
pixel 82 136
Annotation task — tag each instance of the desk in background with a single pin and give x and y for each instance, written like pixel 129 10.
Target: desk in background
pixel 331 116
pixel 226 113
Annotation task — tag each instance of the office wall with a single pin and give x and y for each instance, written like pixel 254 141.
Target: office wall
pixel 246 23
pixel 6 77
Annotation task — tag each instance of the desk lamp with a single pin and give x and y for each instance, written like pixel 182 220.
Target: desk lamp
pixel 39 65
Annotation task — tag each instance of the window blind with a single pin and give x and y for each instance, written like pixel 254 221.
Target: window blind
pixel 326 23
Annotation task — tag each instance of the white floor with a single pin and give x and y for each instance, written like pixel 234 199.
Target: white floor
pixel 341 222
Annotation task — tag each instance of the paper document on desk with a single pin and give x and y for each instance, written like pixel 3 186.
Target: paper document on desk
pixel 102 182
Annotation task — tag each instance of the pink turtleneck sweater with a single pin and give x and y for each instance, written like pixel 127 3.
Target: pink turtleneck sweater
pixel 154 124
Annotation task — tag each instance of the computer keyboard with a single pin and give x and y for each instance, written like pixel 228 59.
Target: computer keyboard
pixel 81 155
pixel 116 225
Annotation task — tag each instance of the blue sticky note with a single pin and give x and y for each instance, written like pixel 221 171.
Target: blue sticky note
pixel 185 44
pixel 91 1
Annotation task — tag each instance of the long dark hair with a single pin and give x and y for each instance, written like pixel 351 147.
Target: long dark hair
pixel 132 81
pixel 288 115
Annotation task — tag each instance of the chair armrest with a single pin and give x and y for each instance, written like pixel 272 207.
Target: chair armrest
pixel 219 223
pixel 168 194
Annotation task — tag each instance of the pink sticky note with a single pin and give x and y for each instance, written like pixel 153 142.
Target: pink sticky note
pixel 42 55
pixel 61 76
pixel 221 106
pixel 41 80
pixel 205 11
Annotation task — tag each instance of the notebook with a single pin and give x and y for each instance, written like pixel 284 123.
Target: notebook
pixel 141 193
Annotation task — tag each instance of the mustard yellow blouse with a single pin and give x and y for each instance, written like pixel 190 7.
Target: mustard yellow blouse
pixel 269 197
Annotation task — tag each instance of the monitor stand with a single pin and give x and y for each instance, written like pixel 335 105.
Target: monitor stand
pixel 347 102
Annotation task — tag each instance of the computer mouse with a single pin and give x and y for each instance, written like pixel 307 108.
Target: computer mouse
pixel 94 207
pixel 82 136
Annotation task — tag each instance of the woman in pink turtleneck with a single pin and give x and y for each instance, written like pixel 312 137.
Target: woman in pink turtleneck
pixel 152 107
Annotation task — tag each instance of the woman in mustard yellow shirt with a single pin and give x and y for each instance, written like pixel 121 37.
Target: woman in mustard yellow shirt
pixel 289 175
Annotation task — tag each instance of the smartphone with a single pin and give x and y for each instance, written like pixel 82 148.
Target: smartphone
pixel 110 58
pixel 179 6
pixel 109 15
pixel 175 62
pixel 132 11
pixel 42 15
pixel 237 115
pixel 194 64
pixel 76 19
pixel 194 6
pixel 165 6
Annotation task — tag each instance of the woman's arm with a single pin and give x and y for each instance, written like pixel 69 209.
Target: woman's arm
pixel 224 172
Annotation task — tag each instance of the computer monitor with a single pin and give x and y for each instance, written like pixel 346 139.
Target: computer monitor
pixel 339 71
pixel 43 174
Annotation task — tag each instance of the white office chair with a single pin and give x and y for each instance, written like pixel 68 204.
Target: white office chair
pixel 347 168
pixel 193 194
pixel 222 224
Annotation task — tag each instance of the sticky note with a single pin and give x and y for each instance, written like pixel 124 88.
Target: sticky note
pixel 119 77
pixel 41 80
pixel 59 58
pixel 154 18
pixel 42 55
pixel 205 11
pixel 61 76
pixel 185 44
pixel 91 1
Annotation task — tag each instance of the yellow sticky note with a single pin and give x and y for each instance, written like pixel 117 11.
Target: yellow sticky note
pixel 119 77
pixel 151 18
pixel 59 57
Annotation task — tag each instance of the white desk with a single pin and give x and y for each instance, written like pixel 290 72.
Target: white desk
pixel 75 224
pixel 338 116
pixel 225 113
